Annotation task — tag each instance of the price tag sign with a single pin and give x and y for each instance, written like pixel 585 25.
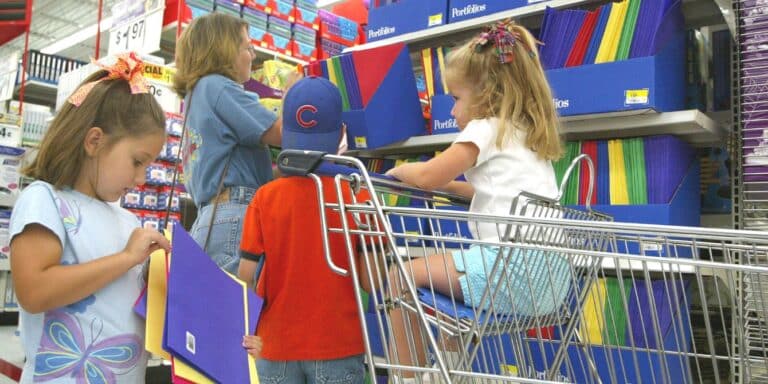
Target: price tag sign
pixel 10 135
pixel 636 96
pixel 165 96
pixel 141 34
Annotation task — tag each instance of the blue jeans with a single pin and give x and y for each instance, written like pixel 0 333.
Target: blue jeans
pixel 224 243
pixel 348 370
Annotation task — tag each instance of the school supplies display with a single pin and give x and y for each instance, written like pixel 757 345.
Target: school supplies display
pixel 629 171
pixel 379 96
pixel 612 32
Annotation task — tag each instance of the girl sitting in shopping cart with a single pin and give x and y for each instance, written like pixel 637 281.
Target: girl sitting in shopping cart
pixel 509 138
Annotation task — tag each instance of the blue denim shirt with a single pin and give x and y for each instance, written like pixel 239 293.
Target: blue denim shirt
pixel 224 121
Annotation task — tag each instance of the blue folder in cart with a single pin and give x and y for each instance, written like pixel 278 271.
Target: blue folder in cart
pixel 208 312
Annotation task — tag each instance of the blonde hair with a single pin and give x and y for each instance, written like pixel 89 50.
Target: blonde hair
pixel 109 106
pixel 209 45
pixel 517 93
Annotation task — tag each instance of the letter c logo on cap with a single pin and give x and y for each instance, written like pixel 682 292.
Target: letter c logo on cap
pixel 302 122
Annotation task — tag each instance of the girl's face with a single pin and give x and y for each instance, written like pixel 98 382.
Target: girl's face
pixel 120 167
pixel 463 96
pixel 245 56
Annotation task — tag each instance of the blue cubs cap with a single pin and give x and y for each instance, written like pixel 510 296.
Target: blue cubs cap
pixel 312 116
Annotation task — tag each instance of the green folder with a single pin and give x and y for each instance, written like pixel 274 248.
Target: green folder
pixel 615 329
pixel 634 163
pixel 628 32
pixel 336 64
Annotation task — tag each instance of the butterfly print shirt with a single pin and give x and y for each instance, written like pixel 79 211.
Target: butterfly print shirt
pixel 98 339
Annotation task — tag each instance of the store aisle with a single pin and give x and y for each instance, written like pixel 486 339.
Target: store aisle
pixel 10 352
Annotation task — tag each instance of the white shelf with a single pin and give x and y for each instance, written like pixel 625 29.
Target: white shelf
pixel 327 4
pixel 168 44
pixel 270 54
pixel 8 200
pixel 692 126
pixel 37 92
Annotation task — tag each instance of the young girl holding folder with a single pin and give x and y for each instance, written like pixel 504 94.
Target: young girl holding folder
pixel 76 255
pixel 509 138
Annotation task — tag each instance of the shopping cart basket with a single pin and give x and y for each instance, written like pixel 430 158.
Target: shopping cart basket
pixel 574 297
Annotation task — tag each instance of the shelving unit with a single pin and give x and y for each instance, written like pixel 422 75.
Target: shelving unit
pixel 37 92
pixel 168 46
pixel 697 12
pixel 692 126
pixel 325 4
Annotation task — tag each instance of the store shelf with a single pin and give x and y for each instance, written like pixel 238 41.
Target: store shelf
pixel 445 31
pixel 7 200
pixel 267 54
pixel 37 92
pixel 328 4
pixel 168 47
pixel 697 13
pixel 692 126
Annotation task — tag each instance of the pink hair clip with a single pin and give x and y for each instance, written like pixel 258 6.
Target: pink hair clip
pixel 128 67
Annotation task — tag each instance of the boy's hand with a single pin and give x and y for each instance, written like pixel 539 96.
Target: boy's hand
pixel 252 345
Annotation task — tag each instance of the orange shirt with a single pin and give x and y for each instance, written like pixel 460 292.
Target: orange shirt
pixel 310 312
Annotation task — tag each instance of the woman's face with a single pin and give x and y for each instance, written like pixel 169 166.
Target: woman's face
pixel 245 56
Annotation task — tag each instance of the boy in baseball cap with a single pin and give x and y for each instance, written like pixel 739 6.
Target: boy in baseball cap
pixel 282 224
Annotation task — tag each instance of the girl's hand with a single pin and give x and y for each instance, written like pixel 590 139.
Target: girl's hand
pixel 252 345
pixel 143 242
pixel 397 172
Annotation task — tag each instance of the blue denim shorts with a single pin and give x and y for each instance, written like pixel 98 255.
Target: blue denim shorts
pixel 224 244
pixel 533 283
pixel 348 370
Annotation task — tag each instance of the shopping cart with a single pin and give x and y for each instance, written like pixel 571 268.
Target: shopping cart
pixel 573 297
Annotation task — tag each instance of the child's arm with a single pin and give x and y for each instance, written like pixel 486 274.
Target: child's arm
pixel 461 188
pixel 246 271
pixel 42 283
pixel 441 170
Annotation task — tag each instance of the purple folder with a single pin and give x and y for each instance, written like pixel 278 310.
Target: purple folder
pixel 205 319
pixel 140 306
pixel 667 160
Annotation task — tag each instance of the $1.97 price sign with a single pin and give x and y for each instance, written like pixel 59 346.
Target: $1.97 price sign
pixel 141 34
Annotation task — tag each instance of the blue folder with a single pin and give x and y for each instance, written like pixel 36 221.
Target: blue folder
pixel 205 318
pixel 597 35
pixel 603 173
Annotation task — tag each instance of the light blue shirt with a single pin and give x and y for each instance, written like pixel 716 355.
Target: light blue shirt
pixel 225 122
pixel 99 336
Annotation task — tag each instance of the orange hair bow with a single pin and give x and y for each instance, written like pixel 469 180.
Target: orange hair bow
pixel 128 67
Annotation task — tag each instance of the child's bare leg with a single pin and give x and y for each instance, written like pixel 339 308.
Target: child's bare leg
pixel 438 271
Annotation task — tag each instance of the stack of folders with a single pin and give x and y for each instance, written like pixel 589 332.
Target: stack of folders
pixel 341 71
pixel 433 63
pixel 650 310
pixel 645 170
pixel 187 297
pixel 613 32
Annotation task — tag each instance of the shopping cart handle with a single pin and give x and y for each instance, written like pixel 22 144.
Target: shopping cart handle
pixel 301 163
pixel 294 162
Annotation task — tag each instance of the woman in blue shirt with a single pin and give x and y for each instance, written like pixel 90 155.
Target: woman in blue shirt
pixel 226 155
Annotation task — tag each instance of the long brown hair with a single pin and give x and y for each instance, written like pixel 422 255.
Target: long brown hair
pixel 517 93
pixel 209 45
pixel 109 106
